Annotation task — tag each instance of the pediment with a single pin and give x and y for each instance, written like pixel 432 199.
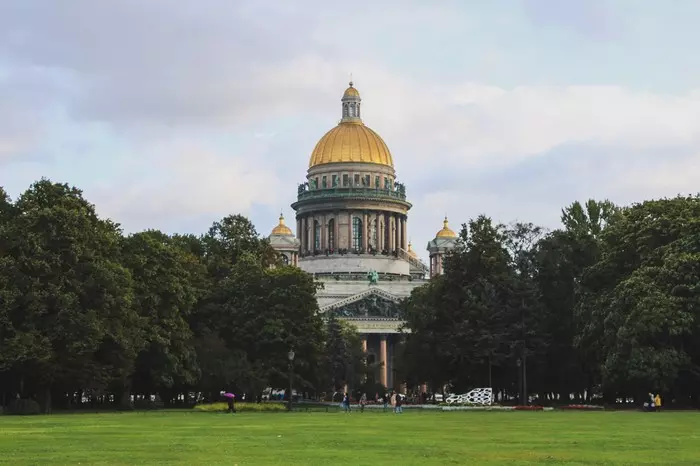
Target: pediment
pixel 373 303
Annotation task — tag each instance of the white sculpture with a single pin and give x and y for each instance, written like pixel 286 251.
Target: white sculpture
pixel 478 396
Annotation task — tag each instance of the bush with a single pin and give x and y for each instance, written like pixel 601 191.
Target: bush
pixel 22 407
pixel 266 407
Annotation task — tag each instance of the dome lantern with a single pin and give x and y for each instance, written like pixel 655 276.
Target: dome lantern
pixel 351 105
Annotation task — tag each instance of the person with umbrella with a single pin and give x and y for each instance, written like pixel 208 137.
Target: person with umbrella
pixel 230 397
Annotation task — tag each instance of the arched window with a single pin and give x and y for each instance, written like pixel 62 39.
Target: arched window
pixel 317 236
pixel 345 110
pixel 356 233
pixel 331 234
pixel 285 259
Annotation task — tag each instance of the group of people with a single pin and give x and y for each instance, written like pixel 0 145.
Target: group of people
pixel 396 400
pixel 654 403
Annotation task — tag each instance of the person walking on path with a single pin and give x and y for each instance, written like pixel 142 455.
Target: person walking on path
pixel 231 404
pixel 399 409
pixel 393 402
pixel 346 403
pixel 657 402
pixel 363 402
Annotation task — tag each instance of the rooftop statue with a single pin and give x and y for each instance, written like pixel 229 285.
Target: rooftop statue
pixel 373 277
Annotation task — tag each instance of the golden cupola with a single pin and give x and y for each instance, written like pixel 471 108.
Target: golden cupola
pixel 446 232
pixel 411 252
pixel 351 141
pixel 281 229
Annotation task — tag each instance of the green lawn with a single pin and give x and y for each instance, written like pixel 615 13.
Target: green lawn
pixel 195 438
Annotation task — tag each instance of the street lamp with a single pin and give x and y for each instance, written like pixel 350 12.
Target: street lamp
pixel 290 356
pixel 519 364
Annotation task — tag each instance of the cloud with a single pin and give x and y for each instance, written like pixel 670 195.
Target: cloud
pixel 590 18
pixel 171 115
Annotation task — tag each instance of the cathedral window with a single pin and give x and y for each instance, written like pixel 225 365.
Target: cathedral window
pixel 357 180
pixel 317 236
pixel 365 181
pixel 345 110
pixel 285 259
pixel 386 183
pixel 324 183
pixel 372 240
pixel 376 182
pixel 331 234
pixel 346 180
pixel 356 233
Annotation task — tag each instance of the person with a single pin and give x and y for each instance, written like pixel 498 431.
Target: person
pixel 657 402
pixel 399 409
pixel 363 402
pixel 346 403
pixel 231 405
pixel 385 400
pixel 393 402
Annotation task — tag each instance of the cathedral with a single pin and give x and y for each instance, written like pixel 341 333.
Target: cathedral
pixel 351 234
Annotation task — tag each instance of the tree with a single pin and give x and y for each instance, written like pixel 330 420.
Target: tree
pixel 229 239
pixel 588 219
pixel 67 308
pixel 344 354
pixel 165 293
pixel 639 302
pixel 262 313
pixel 459 322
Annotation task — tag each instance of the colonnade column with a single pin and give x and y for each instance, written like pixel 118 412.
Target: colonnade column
pixel 336 227
pixel 403 233
pixel 349 230
pixel 310 233
pixel 383 359
pixel 324 233
pixel 300 234
pixel 397 232
pixel 377 232
pixel 365 231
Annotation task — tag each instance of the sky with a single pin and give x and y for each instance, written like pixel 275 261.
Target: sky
pixel 172 115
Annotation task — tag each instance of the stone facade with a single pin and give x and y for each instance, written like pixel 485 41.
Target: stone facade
pixel 352 225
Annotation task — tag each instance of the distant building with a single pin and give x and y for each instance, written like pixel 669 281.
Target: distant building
pixel 352 234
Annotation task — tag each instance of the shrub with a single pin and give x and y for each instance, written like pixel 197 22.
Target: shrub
pixel 22 407
pixel 242 407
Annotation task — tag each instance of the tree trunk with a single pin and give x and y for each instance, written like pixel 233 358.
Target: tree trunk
pixel 47 400
pixel 125 399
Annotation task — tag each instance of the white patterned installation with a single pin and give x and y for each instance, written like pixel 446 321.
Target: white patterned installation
pixel 480 396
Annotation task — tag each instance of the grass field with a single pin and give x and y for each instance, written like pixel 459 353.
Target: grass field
pixel 197 438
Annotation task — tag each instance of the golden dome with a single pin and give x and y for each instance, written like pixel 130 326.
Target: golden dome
pixel 411 252
pixel 351 92
pixel 351 142
pixel 446 232
pixel 281 229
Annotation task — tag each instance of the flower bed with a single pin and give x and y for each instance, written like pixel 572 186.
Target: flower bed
pixel 242 407
pixel 583 407
pixel 529 408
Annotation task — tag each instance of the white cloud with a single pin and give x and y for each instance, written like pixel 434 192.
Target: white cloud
pixel 183 77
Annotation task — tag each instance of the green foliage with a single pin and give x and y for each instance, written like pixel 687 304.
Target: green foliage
pixel 66 314
pixel 266 407
pixel 22 407
pixel 345 357
pixel 640 303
